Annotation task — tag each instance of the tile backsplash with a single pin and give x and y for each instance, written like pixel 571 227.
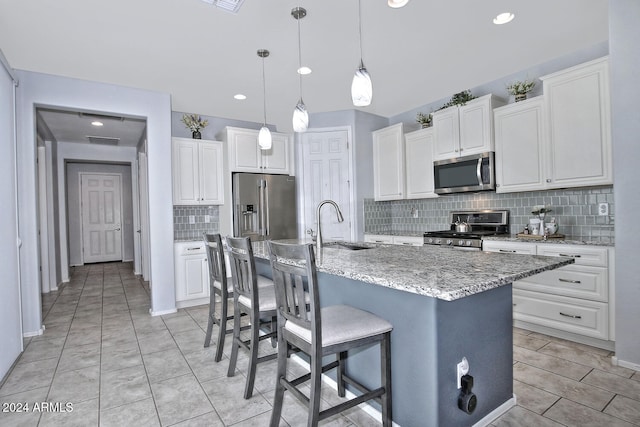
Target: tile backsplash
pixel 576 211
pixel 184 230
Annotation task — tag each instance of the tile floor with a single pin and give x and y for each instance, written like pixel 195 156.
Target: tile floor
pixel 119 366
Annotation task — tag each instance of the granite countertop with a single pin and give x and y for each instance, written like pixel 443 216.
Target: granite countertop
pixel 568 240
pixel 397 233
pixel 439 272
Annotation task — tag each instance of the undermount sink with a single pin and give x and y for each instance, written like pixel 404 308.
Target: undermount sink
pixel 347 246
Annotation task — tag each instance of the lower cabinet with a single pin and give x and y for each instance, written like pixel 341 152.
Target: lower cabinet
pixel 191 274
pixel 394 240
pixel 573 302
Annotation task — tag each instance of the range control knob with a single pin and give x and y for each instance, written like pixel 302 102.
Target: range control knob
pixel 460 242
pixel 430 240
pixel 438 241
pixel 468 242
pixel 449 241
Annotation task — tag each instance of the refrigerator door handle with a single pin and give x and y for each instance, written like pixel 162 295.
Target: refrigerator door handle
pixel 265 207
pixel 263 220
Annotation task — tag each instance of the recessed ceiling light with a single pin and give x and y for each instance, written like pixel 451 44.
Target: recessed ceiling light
pixel 503 18
pixel 304 70
pixel 397 3
pixel 240 96
pixel 97 123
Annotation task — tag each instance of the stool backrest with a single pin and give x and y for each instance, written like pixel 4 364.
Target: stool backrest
pixel 294 275
pixel 243 268
pixel 215 258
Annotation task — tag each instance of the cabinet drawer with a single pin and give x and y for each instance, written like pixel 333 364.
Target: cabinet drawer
pixel 194 248
pixel 408 240
pixel 509 247
pixel 596 257
pixel 378 238
pixel 588 318
pixel 573 281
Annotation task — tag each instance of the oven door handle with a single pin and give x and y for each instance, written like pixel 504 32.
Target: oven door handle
pixel 479 172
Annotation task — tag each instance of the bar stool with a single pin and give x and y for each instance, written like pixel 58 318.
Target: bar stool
pixel 221 288
pixel 255 296
pixel 319 332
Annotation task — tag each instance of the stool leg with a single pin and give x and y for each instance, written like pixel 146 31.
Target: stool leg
pixel 342 357
pixel 222 331
pixel 212 305
pixel 236 338
pixel 278 398
pixel 315 394
pixel 253 355
pixel 385 367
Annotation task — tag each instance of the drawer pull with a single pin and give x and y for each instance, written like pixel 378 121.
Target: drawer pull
pixel 406 243
pixel 194 249
pixel 571 256
pixel 569 281
pixel 570 315
pixel 379 241
pixel 504 250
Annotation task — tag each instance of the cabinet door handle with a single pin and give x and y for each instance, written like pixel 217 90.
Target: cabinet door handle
pixel 548 180
pixel 571 256
pixel 505 250
pixel 569 281
pixel 570 315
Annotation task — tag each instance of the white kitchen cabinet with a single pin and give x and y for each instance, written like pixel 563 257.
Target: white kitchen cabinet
pixel 388 163
pixel 394 240
pixel 520 143
pixel 463 130
pixel 197 172
pixel 245 154
pixel 577 102
pixel 418 155
pixel 574 302
pixel 191 274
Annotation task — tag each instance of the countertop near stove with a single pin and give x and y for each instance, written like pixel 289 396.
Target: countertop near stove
pixel 397 233
pixel 568 240
pixel 439 272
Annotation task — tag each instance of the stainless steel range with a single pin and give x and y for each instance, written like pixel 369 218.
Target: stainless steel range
pixel 478 224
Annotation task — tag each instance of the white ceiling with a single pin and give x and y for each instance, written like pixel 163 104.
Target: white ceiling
pixel 203 55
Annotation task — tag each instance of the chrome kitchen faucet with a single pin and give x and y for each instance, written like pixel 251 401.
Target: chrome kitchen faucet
pixel 319 232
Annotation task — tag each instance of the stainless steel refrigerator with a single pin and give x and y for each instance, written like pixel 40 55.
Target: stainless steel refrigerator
pixel 264 206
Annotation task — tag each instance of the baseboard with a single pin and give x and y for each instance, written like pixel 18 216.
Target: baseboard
pixel 624 364
pixel 162 313
pixel 370 410
pixel 192 302
pixel 594 342
pixel 493 415
pixel 34 333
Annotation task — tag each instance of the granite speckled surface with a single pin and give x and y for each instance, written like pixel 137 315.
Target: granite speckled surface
pixel 568 240
pixel 439 272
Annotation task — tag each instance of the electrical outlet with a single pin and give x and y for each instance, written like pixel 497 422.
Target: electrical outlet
pixel 603 209
pixel 414 212
pixel 207 218
pixel 192 219
pixel 462 369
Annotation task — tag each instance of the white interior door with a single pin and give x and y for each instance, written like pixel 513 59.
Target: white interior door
pixel 101 217
pixel 326 175
pixel 145 248
pixel 43 221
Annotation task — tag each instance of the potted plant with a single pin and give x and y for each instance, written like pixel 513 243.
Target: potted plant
pixel 520 89
pixel 194 123
pixel 424 120
pixel 460 98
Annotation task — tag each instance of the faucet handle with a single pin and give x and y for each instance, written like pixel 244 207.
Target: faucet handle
pixel 312 234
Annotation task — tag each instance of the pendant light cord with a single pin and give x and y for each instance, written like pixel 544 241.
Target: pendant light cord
pixel 360 28
pixel 299 58
pixel 264 94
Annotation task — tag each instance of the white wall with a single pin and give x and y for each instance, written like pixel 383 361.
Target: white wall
pixel 10 325
pixel 60 92
pixel 624 32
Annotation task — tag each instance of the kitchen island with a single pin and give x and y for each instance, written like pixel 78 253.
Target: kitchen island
pixel 444 304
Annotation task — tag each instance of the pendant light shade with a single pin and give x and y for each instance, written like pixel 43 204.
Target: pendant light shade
pixel 300 118
pixel 264 136
pixel 361 86
pixel 397 3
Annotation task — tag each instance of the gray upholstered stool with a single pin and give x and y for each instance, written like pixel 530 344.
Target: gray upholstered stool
pixel 255 296
pixel 319 332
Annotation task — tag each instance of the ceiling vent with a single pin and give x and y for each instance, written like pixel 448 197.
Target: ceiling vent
pixel 104 140
pixel 232 6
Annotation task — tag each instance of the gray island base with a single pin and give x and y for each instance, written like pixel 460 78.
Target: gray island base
pixel 444 304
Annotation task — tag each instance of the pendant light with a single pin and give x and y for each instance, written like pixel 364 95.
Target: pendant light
pixel 397 3
pixel 300 115
pixel 361 87
pixel 264 136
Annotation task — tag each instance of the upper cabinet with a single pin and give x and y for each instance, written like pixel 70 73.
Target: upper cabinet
pixel 464 129
pixel 418 154
pixel 388 163
pixel 197 172
pixel 245 154
pixel 579 125
pixel 558 140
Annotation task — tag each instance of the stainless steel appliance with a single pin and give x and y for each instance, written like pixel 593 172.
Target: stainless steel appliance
pixel 482 223
pixel 264 206
pixel 464 174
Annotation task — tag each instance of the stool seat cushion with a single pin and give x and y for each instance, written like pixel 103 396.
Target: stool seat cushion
pixel 218 285
pixel 262 282
pixel 266 298
pixel 343 323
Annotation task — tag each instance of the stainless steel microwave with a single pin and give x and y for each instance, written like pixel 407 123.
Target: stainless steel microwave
pixel 465 174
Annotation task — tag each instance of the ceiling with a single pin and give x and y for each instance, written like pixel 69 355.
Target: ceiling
pixel 203 55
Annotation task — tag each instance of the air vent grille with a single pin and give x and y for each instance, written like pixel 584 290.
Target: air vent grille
pixel 104 140
pixel 228 5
